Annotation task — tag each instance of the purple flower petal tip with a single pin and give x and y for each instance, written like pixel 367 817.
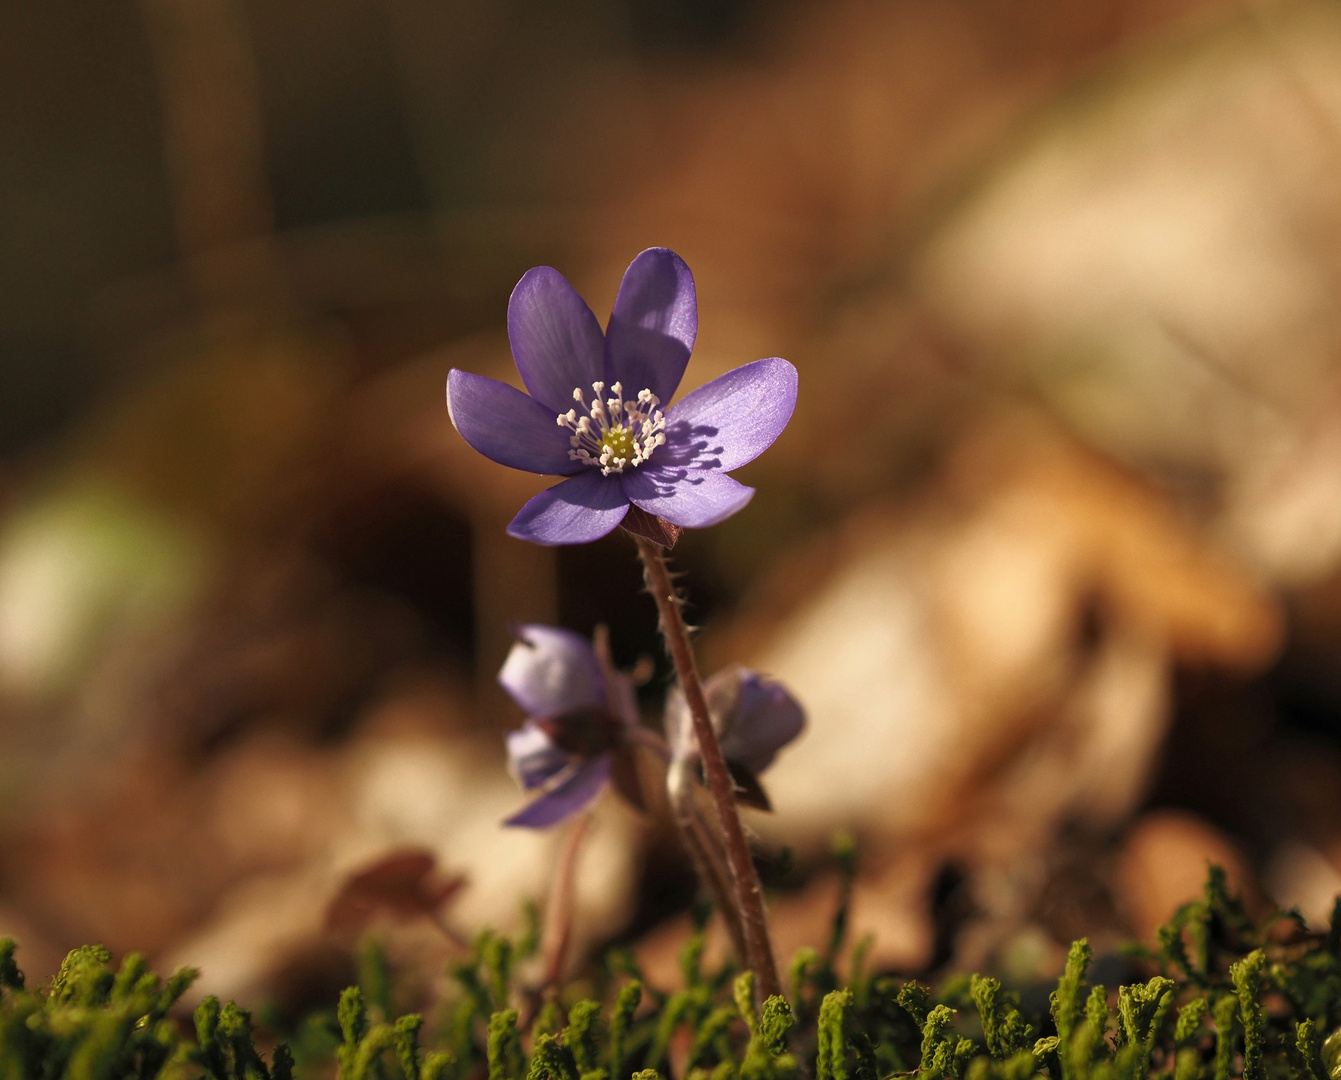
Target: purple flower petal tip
pixel 653 325
pixel 583 508
pixel 533 758
pixel 556 341
pixel 690 497
pixel 732 420
pixel 550 671
pixel 573 795
pixel 506 426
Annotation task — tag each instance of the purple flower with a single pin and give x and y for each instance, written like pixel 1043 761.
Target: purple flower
pixel 598 407
pixel 753 718
pixel 582 727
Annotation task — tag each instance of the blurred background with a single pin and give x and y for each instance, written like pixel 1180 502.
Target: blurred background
pixel 1051 551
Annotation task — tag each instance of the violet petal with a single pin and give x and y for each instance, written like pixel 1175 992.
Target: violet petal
pixel 754 717
pixel 551 671
pixel 734 418
pixel 556 340
pixel 692 498
pixel 532 756
pixel 506 426
pixel 581 509
pixel 572 796
pixel 765 719
pixel 653 325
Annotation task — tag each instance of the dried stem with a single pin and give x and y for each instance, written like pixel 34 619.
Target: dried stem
pixel 745 880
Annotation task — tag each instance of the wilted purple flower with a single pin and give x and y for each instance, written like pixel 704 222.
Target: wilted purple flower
pixel 582 727
pixel 753 718
pixel 597 411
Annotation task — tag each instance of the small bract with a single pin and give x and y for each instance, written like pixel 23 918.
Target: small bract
pixel 598 407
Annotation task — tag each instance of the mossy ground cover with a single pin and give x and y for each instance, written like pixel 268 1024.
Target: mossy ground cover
pixel 1221 997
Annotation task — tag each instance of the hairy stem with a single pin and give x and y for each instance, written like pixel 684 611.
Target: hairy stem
pixel 706 853
pixel 744 879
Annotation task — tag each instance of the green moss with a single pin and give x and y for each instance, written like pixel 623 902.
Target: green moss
pixel 1272 1000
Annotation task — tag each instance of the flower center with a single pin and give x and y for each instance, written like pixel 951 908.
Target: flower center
pixel 613 434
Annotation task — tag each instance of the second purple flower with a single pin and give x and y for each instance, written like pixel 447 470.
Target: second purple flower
pixel 581 728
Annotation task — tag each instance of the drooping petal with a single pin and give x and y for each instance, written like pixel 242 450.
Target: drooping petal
pixel 762 719
pixel 506 426
pixel 533 759
pixel 734 418
pixel 571 796
pixel 552 671
pixel 556 341
pixel 653 325
pixel 690 497
pixel 581 509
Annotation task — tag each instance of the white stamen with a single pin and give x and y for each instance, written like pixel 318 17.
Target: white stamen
pixel 614 434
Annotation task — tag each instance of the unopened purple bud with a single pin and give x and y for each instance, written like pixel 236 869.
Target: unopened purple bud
pixel 762 719
pixel 754 717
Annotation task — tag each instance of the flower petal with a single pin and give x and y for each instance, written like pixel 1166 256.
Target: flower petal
pixel 556 340
pixel 754 717
pixel 506 426
pixel 690 497
pixel 571 797
pixel 551 671
pixel 533 759
pixel 734 418
pixel 653 325
pixel 581 509
pixel 762 719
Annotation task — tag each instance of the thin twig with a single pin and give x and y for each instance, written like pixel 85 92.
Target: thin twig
pixel 449 932
pixel 745 879
pixel 559 912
